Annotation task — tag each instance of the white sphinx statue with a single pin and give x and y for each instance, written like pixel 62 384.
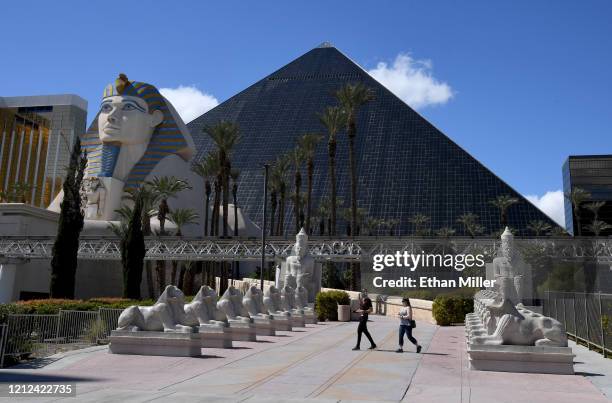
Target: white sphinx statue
pixel 253 303
pixel 202 312
pixel 136 135
pixel 273 304
pixel 301 263
pixel 167 315
pixel 301 299
pixel 241 325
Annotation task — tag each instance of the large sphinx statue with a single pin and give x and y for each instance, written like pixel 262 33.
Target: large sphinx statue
pixel 301 299
pixel 241 325
pixel 202 312
pixel 301 264
pixel 265 323
pixel 167 315
pixel 298 318
pixel 136 135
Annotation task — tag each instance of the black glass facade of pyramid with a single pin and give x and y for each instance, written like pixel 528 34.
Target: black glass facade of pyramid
pixel 405 165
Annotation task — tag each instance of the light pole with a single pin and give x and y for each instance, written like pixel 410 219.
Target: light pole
pixel 263 227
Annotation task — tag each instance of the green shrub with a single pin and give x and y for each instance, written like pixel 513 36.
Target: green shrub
pixel 451 309
pixel 326 304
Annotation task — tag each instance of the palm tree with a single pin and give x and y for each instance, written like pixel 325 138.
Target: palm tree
pixel 419 221
pixel 180 217
pixel 539 227
pixel 280 177
pixel 296 157
pixel 391 224
pixel 332 118
pixel 470 224
pixel 225 136
pixel 594 208
pixel 352 97
pixel 205 169
pixel 149 199
pixel 597 227
pixel 166 187
pixel 308 143
pixel 445 232
pixel 503 202
pixel 235 173
pixel 577 196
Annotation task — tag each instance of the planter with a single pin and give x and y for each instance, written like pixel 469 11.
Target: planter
pixel 344 313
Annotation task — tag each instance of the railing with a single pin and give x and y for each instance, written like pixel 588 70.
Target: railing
pixel 587 317
pixel 26 335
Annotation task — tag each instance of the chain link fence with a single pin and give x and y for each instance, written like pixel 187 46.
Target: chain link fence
pixel 587 317
pixel 34 335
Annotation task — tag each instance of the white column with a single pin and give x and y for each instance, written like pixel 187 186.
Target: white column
pixel 7 282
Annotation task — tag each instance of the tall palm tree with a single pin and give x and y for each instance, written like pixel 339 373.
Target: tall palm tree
pixel 445 232
pixel 577 197
pixel 470 224
pixel 225 135
pixel 539 227
pixel 333 119
pixel 206 169
pixel 503 202
pixel 352 97
pixel 308 143
pixel 391 224
pixel 296 157
pixel 279 176
pixel 166 187
pixel 180 217
pixel 419 221
pixel 594 208
pixel 149 200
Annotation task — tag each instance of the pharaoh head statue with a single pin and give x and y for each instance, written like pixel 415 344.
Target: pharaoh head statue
pixel 136 118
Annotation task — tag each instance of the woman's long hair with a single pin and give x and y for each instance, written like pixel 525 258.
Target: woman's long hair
pixel 407 301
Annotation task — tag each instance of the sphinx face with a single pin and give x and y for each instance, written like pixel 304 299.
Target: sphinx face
pixel 126 120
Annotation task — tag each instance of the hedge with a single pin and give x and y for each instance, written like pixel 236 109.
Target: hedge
pixel 53 306
pixel 448 310
pixel 326 304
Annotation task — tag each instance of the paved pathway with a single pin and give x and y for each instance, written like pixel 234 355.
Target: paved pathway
pixel 313 363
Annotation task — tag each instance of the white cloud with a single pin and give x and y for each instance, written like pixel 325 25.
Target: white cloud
pixel 552 204
pixel 189 101
pixel 412 81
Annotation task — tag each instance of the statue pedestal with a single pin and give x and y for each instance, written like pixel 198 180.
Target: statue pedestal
pixel 215 336
pixel 526 359
pixel 297 318
pixel 264 325
pixel 242 331
pixel 282 321
pixel 155 343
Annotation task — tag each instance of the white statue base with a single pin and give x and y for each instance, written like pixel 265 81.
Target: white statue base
pixel 213 336
pixel 527 359
pixel 297 318
pixel 282 321
pixel 240 330
pixel 264 325
pixel 155 343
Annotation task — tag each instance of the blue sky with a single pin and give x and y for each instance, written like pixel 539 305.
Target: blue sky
pixel 520 85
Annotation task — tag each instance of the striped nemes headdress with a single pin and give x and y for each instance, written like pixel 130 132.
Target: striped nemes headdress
pixel 169 137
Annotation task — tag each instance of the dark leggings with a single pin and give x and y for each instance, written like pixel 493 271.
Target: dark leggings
pixel 363 328
pixel 408 331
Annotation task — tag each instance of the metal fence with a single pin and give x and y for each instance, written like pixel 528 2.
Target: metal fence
pixel 26 335
pixel 587 317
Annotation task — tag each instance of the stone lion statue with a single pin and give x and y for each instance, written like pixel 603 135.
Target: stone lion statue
pixel 166 315
pixel 203 309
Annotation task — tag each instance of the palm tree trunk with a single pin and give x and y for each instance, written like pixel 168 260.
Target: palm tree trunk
pixel 236 263
pixel 281 213
pixel 173 273
pixel 216 203
pixel 160 269
pixel 149 276
pixel 332 178
pixel 352 131
pixel 181 279
pixel 273 202
pixel 298 185
pixel 309 194
pixel 206 207
pixel 225 198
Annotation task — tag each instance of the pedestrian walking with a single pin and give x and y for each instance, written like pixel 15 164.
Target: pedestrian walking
pixel 406 326
pixel 365 308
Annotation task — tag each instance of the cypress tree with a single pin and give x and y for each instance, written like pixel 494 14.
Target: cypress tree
pixel 66 246
pixel 133 252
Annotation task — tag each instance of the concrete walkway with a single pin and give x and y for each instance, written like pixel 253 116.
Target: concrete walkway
pixel 315 363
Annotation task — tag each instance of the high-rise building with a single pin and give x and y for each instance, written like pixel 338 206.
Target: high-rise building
pixel 36 137
pixel 405 165
pixel 592 173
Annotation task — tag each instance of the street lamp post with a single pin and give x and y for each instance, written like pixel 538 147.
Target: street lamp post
pixel 263 227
